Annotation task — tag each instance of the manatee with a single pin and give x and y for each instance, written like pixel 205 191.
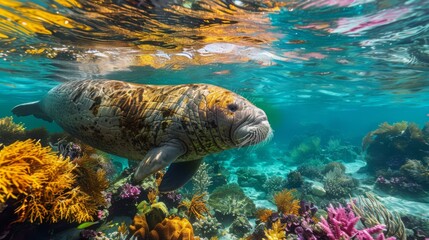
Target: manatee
pixel 160 126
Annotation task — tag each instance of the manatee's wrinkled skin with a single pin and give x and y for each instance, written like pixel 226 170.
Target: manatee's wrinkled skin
pixel 156 124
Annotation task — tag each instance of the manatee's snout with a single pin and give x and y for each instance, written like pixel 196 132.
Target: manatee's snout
pixel 254 129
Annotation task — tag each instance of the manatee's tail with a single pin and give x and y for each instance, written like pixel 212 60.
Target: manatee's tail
pixel 31 108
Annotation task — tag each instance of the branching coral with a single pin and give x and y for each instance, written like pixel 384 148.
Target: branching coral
pixel 373 212
pixel 341 224
pixel 172 228
pixel 43 186
pixel 196 207
pixel 276 232
pixel 262 214
pixel 286 202
pixel 201 180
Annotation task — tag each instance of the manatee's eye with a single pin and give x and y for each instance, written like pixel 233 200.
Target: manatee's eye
pixel 232 107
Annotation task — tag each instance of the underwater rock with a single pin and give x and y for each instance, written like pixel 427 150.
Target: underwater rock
pixel 247 177
pixel 317 190
pixel 240 226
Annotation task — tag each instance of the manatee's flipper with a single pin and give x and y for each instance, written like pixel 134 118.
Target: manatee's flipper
pixel 31 108
pixel 157 159
pixel 178 174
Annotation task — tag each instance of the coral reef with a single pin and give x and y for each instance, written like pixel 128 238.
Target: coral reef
pixel 247 177
pixel 372 213
pixel 286 202
pixel 390 146
pixel 338 185
pixel 341 224
pixel 201 180
pixel 240 226
pixel 43 186
pixel 171 229
pixel 310 171
pixel 207 227
pixel 332 165
pixel 294 179
pixel 130 191
pixel 231 200
pixel 417 171
pixel 273 184
pixel 196 207
pixel 10 131
pixel 263 214
pixel 276 232
pixel 139 229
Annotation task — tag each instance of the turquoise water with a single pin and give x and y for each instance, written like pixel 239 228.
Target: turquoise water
pixel 329 69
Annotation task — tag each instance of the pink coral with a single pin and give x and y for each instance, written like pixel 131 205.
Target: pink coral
pixel 341 224
pixel 130 191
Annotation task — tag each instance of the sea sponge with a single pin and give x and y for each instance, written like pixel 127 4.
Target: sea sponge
pixel 286 202
pixel 172 228
pixel 41 185
pixel 139 229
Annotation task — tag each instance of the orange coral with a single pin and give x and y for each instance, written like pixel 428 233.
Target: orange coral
pixel 151 196
pixel 286 202
pixel 196 207
pixel 42 184
pixel 139 228
pixel 173 228
pixel 263 214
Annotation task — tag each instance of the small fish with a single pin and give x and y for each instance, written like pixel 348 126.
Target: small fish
pixel 223 72
pixel 86 225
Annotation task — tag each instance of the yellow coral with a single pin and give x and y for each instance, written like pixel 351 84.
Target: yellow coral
pixel 286 202
pixel 196 207
pixel 277 232
pixel 171 229
pixel 43 185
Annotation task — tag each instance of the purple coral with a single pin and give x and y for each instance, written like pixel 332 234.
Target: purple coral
pixel 130 191
pixel 341 224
